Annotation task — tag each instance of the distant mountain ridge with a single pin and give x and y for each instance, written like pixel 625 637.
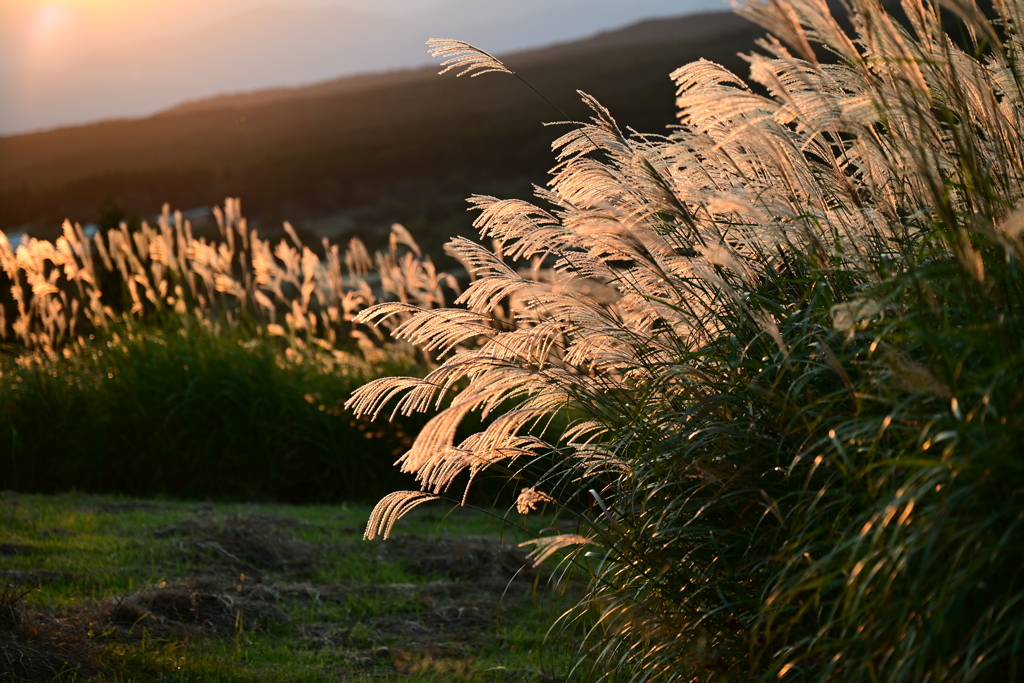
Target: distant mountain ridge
pixel 353 155
pixel 272 45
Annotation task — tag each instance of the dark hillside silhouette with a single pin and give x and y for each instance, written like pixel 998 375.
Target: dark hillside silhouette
pixel 365 151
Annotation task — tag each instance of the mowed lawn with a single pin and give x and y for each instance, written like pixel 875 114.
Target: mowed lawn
pixel 115 589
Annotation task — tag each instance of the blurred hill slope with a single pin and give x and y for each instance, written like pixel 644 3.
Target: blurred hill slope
pixel 354 154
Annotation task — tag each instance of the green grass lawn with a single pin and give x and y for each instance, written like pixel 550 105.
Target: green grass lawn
pixel 116 589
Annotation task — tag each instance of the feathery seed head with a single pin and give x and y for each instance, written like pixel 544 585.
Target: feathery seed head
pixel 461 55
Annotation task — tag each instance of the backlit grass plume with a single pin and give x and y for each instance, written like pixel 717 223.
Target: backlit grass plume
pixel 465 58
pixel 78 284
pixel 155 362
pixel 786 340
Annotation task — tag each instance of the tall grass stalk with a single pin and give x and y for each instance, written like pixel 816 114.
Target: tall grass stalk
pixel 787 336
pixel 194 413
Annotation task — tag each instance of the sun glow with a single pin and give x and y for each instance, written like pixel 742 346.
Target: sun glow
pixel 48 27
pixel 81 4
pixel 55 33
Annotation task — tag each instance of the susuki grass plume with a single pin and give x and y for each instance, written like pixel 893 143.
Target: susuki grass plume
pixel 154 362
pixel 787 337
pixel 77 285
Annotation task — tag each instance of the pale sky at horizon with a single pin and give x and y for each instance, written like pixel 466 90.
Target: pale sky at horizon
pixel 72 61
pixel 50 34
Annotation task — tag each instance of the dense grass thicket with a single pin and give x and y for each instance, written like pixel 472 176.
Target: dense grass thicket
pixel 788 337
pixel 150 361
pixel 164 274
pixel 196 413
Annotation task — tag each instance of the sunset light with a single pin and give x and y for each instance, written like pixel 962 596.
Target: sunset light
pixel 112 58
pixel 53 35
pixel 82 5
pixel 50 25
pixel 512 341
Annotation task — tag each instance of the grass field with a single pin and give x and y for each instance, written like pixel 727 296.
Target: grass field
pixel 769 364
pixel 118 589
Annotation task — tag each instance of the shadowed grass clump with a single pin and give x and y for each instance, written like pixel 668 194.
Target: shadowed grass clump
pixel 787 335
pixel 196 413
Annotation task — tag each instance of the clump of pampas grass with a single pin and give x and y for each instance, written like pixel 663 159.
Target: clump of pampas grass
pixel 786 340
pixel 63 291
pixel 155 362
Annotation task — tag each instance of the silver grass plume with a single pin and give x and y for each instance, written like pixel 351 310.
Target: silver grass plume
pixel 470 59
pixel 647 250
pixel 290 291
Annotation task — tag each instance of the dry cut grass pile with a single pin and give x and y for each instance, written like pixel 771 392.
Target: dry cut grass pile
pixel 112 589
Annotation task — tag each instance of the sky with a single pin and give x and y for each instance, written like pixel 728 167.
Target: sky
pixel 65 62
